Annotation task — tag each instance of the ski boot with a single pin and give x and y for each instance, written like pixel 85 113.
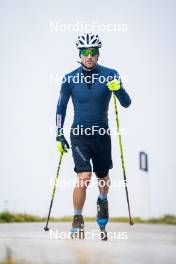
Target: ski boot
pixel 102 217
pixel 77 230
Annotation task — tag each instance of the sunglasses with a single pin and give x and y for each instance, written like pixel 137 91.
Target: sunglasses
pixel 87 52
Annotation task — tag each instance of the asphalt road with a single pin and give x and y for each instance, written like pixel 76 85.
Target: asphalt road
pixel 141 243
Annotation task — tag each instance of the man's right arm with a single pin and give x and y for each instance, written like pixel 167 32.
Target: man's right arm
pixel 64 96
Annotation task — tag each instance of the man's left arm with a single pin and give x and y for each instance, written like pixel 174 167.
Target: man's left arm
pixel 116 86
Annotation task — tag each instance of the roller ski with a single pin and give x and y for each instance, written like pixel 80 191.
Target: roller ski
pixel 102 217
pixel 77 230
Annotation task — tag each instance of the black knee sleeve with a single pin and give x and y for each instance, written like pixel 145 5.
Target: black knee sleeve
pixel 101 174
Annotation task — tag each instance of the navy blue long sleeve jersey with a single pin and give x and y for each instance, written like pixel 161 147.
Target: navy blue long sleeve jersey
pixel 90 96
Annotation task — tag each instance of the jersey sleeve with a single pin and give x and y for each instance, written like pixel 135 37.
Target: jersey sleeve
pixel 64 96
pixel 121 94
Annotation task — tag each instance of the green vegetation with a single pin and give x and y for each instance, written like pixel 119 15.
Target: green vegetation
pixel 8 217
pixel 11 260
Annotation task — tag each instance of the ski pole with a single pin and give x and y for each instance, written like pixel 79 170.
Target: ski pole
pixel 122 156
pixel 46 228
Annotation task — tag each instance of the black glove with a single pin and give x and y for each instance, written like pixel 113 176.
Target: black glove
pixel 62 144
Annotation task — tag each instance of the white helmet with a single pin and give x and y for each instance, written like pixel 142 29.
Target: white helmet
pixel 88 40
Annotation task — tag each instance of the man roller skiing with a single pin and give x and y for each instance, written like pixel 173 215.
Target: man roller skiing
pixel 90 93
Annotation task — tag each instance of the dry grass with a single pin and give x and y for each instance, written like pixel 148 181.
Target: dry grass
pixel 10 217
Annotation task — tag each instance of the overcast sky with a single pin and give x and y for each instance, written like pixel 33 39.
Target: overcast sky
pixel 33 54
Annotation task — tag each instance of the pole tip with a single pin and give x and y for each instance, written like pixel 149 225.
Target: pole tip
pixel 46 228
pixel 131 223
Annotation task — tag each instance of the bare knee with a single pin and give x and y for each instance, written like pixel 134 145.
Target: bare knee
pixel 84 178
pixel 104 182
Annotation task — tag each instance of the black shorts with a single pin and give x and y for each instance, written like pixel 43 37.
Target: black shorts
pixel 96 148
